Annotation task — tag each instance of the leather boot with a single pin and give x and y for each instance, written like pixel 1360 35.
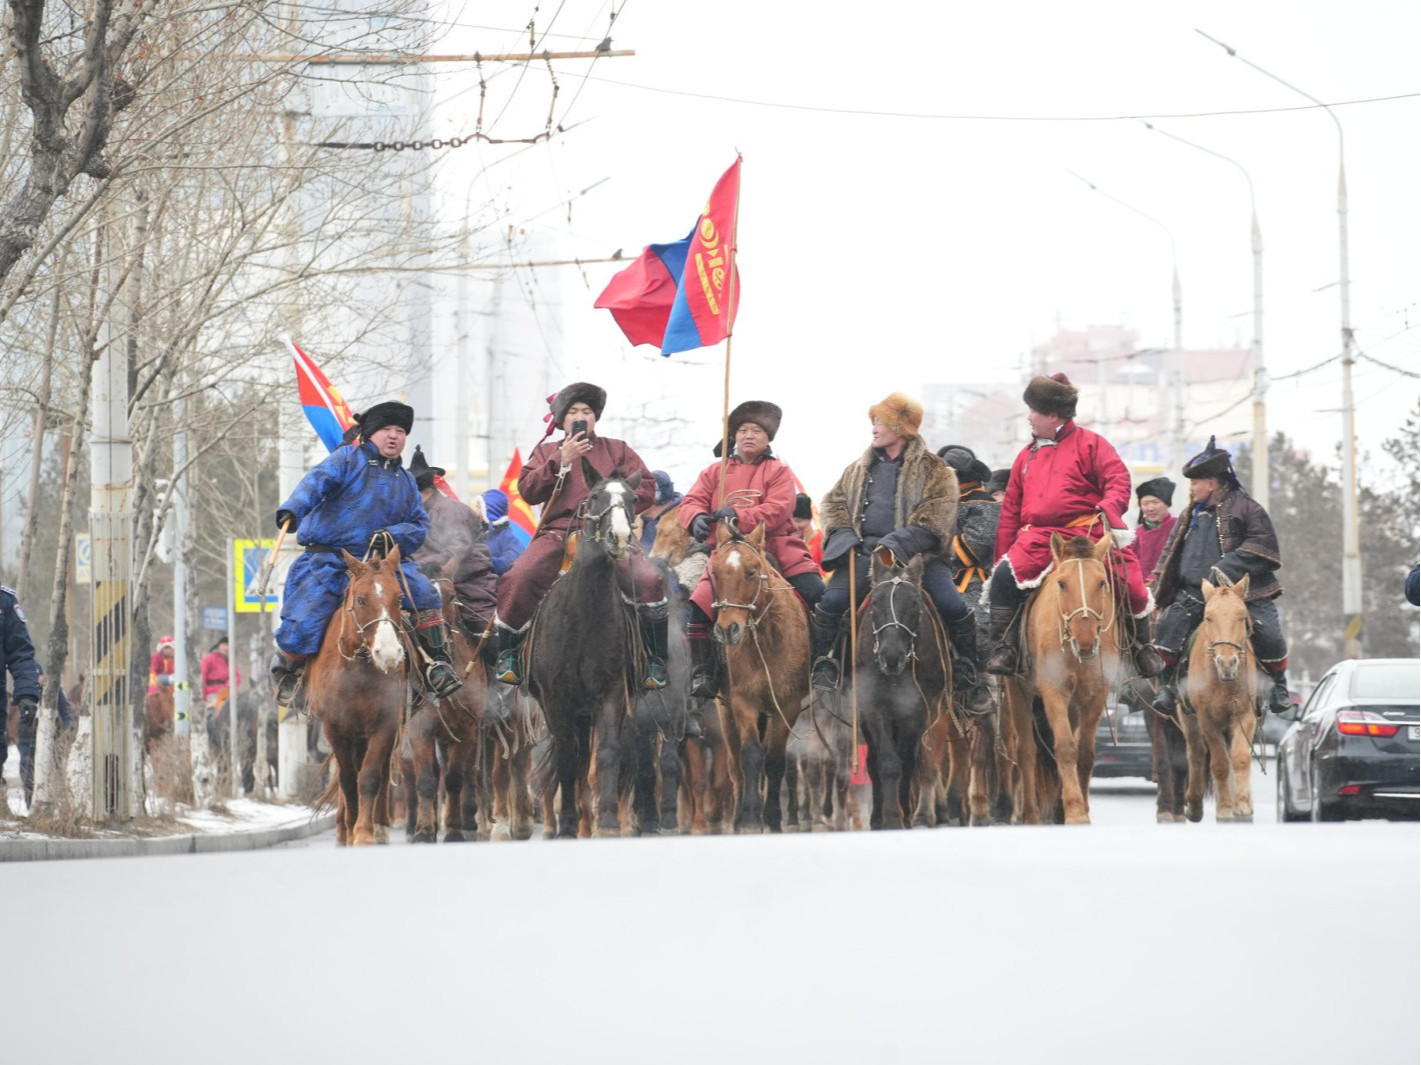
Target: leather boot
pixel 1148 662
pixel 823 640
pixel 653 642
pixel 1003 658
pixel 972 694
pixel 1167 698
pixel 287 673
pixel 439 671
pixel 1280 701
pixel 505 651
pixel 698 636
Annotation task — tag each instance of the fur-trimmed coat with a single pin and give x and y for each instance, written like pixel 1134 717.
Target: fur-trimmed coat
pixel 926 496
pixel 1246 539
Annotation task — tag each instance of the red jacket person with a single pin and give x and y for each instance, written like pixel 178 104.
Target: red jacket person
pixel 1070 481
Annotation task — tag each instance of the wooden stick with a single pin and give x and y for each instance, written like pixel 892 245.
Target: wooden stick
pixel 729 335
pixel 265 577
pixel 853 650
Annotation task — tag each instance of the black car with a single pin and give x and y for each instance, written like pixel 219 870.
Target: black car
pixel 1355 748
pixel 1122 743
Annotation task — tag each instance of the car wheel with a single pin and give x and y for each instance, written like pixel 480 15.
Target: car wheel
pixel 1286 813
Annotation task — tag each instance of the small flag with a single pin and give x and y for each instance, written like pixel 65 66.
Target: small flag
pixel 325 408
pixel 520 515
pixel 679 296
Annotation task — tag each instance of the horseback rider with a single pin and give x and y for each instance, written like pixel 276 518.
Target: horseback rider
pixel 1155 524
pixel 455 533
pixel 357 494
pixel 1063 482
pixel 505 543
pixel 667 498
pixel 758 488
pixel 1225 529
pixel 900 496
pixel 976 536
pixel 553 477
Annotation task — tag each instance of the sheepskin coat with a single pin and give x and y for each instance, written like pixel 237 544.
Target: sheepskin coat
pixel 927 496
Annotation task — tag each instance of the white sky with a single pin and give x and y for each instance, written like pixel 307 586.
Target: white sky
pixel 880 253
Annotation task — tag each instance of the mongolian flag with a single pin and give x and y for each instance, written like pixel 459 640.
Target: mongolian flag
pixel 326 410
pixel 520 515
pixel 684 295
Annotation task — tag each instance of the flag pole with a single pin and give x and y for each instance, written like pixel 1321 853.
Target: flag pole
pixel 730 330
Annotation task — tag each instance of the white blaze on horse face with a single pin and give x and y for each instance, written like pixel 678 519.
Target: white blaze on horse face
pixel 620 527
pixel 733 560
pixel 385 649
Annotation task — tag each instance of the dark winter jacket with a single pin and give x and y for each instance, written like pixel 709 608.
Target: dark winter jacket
pixel 505 544
pixel 925 505
pixel 976 538
pixel 17 654
pixel 353 494
pixel 455 533
pixel 1247 543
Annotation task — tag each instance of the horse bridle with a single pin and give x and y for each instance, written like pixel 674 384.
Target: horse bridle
pixel 751 607
pixel 893 621
pixel 591 521
pixel 349 608
pixel 1241 648
pixel 1088 611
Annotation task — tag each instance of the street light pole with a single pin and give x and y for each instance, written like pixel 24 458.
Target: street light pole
pixel 1260 477
pixel 1351 555
pixel 1176 355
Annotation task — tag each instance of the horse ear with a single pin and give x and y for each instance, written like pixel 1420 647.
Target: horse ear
pixel 352 564
pixel 393 558
pixel 915 568
pixel 875 567
pixel 590 474
pixel 722 533
pixel 1208 589
pixel 1241 586
pixel 634 481
pixel 1102 546
pixel 757 538
pixel 450 567
pixel 1056 544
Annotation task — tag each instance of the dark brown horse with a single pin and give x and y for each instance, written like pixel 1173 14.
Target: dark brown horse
pixel 761 624
pixel 356 688
pixel 583 654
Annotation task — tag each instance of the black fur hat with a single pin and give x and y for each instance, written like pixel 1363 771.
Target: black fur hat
pixel 764 414
pixel 1053 395
pixel 965 463
pixel 998 481
pixel 383 414
pixel 1213 462
pixel 578 392
pixel 424 473
pixel 1162 488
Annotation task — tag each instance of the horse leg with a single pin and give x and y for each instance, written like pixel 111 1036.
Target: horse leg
pixel 456 779
pixel 521 800
pixel 421 784
pixel 1058 713
pixel 1178 768
pixel 1023 744
pixel 374 774
pixel 500 783
pixel 776 736
pixel 568 753
pixel 1159 760
pixel 732 773
pixel 646 766
pixel 669 763
pixel 1085 744
pixel 348 762
pixel 1220 765
pixel 1243 765
pixel 793 773
pixel 979 779
pixel 1197 752
pixel 609 760
pixel 693 782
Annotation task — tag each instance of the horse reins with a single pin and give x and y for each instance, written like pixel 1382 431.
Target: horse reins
pixel 1085 609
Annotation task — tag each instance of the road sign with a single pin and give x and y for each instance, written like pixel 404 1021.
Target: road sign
pixel 83 558
pixel 214 618
pixel 247 559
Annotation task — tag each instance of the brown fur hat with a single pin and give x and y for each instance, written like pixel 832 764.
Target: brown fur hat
pixel 1052 395
pixel 764 414
pixel 578 392
pixel 899 413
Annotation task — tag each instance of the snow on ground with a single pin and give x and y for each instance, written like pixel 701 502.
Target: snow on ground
pixel 1128 942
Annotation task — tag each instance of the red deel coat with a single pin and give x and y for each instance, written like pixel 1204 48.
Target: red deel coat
pixel 761 491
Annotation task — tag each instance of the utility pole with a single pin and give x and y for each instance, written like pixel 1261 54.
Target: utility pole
pixel 1351 554
pixel 182 689
pixel 111 534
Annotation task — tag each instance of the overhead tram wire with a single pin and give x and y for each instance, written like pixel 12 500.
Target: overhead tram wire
pixel 948 116
pixel 533 42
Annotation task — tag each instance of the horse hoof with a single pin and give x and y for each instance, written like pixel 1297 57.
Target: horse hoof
pixel 502 830
pixel 363 840
pixel 454 836
pixel 1195 816
pixel 1162 818
pixel 1180 819
pixel 1079 819
pixel 423 837
pixel 382 833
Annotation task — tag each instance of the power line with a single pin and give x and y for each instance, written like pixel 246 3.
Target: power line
pixel 949 116
pixel 1389 366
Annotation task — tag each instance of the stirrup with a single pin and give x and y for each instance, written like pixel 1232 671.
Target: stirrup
pixel 1148 662
pixel 703 685
pixel 656 678
pixel 290 693
pixel 1166 700
pixel 826 674
pixel 442 679
pixel 505 670
pixel 1279 699
pixel 1002 662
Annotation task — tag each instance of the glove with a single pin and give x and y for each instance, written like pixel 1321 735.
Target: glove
pixel 701 526
pixel 724 514
pixel 382 543
pixel 285 518
pixel 909 541
pixel 29 712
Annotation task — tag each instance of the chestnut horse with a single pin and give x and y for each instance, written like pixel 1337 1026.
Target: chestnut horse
pixel 356 688
pixel 1072 644
pixel 762 627
pixel 1222 690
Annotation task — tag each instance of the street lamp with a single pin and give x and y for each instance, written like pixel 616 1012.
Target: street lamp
pixel 1176 355
pixel 1260 377
pixel 1351 556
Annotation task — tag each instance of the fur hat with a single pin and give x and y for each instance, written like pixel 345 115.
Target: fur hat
pixel 424 473
pixel 383 414
pixel 899 413
pixel 803 506
pixel 965 463
pixel 1053 395
pixel 166 641
pixel 762 413
pixel 1213 462
pixel 1162 488
pixel 578 392
pixel 998 481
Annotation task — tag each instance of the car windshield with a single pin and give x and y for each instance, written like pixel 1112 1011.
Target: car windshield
pixel 1388 680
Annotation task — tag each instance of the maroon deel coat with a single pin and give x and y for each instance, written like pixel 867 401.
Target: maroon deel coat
pixel 540 474
pixel 1149 544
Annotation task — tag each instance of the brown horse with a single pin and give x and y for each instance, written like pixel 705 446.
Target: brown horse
pixel 1072 641
pixel 761 624
pixel 356 688
pixel 1222 690
pixel 449 727
pixel 158 717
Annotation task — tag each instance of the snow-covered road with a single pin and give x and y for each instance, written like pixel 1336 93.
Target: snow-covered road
pixel 1126 941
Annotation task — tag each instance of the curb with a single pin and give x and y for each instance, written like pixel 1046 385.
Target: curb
pixel 38 850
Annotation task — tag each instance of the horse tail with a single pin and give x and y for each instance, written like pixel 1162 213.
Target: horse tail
pixel 327 798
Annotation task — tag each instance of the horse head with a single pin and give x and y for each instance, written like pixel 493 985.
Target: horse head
pixel 1226 627
pixel 370 616
pixel 895 611
pixel 607 514
pixel 1084 598
pixel 672 542
pixel 739 574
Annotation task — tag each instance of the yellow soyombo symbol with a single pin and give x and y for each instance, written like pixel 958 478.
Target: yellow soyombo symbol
pixel 710 263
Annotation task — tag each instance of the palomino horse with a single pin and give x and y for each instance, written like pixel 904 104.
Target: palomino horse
pixel 1072 642
pixel 1222 690
pixel 761 624
pixel 449 727
pixel 582 654
pixel 903 677
pixel 356 688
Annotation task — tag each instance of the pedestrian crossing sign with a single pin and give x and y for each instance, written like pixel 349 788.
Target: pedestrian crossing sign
pixel 248 556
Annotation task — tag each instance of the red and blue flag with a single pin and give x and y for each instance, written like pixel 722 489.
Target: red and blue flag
pixel 325 408
pixel 684 295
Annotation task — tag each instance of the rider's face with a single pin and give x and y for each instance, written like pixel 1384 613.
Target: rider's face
pixel 389 441
pixel 1155 510
pixel 751 441
pixel 1043 425
pixel 1202 489
pixel 884 436
pixel 579 412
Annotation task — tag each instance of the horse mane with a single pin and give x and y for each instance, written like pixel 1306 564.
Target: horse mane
pixel 1078 547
